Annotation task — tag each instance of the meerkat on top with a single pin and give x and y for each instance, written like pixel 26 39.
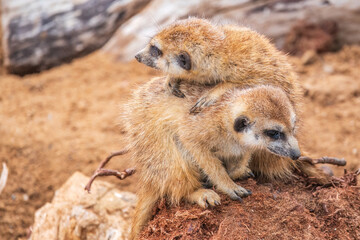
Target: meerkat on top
pixel 195 50
pixel 172 148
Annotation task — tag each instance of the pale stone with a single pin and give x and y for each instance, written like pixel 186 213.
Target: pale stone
pixel 74 214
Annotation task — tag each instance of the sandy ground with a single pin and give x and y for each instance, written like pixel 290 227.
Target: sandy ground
pixel 66 119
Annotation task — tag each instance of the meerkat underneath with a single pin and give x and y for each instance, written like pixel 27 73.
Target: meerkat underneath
pixel 195 50
pixel 172 148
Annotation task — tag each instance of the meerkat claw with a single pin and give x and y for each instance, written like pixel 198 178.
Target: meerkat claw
pixel 236 198
pixel 177 93
pixel 197 107
pixel 201 104
pixel 173 86
pixel 242 192
pixel 241 174
pixel 205 198
pixel 249 174
pixel 194 110
pixel 238 192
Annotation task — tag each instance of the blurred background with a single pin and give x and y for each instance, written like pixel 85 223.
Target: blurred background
pixel 67 67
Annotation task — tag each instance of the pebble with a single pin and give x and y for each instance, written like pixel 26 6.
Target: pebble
pixel 26 197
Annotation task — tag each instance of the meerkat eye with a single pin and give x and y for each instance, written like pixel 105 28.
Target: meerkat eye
pixel 241 123
pixel 155 51
pixel 184 61
pixel 274 134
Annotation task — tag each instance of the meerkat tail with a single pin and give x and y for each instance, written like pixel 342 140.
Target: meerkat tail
pixel 146 202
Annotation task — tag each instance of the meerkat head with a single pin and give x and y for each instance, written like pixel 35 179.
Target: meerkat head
pixel 185 49
pixel 263 118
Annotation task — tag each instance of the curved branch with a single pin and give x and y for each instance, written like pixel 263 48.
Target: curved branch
pixel 324 160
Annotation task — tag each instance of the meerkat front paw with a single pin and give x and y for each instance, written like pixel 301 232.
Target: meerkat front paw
pixel 173 86
pixel 202 103
pixel 236 192
pixel 241 173
pixel 204 198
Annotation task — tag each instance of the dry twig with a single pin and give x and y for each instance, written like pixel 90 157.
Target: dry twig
pixel 313 181
pixel 100 171
pixel 349 179
pixel 324 160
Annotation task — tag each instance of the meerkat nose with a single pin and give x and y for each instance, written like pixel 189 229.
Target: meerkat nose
pixel 138 57
pixel 295 154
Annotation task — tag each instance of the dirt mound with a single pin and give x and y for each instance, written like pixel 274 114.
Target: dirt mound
pixel 274 211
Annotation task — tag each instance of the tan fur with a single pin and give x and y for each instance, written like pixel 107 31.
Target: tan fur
pixel 161 128
pixel 228 56
pixel 172 148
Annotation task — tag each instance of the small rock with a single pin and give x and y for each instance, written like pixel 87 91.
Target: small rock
pixel 26 197
pixel 328 68
pixel 75 214
pixel 354 151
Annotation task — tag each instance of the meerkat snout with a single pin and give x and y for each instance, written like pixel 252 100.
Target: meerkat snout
pixel 282 145
pixel 176 62
pixel 295 154
pixel 146 58
pixel 138 57
pixel 149 55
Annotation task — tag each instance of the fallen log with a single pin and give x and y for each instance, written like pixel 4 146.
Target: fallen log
pixel 334 22
pixel 37 34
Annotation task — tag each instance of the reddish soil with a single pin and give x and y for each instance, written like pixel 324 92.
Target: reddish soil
pixel 66 119
pixel 273 211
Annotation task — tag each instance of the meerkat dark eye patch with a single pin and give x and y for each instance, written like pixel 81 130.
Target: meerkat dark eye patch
pixel 274 134
pixel 155 51
pixel 241 123
pixel 184 61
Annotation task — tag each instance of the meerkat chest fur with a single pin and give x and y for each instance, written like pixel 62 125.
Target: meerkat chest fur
pixel 173 149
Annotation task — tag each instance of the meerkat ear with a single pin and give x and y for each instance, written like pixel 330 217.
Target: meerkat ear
pixel 184 61
pixel 241 123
